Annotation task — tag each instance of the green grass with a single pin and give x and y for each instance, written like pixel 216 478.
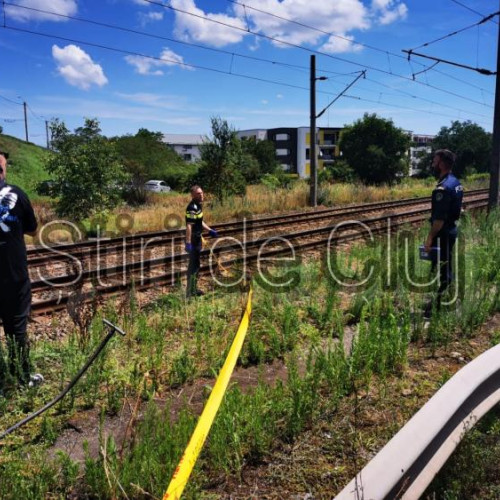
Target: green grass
pixel 25 167
pixel 172 343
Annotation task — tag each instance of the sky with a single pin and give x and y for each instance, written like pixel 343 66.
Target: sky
pixel 170 66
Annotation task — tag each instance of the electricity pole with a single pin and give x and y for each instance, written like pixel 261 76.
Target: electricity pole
pixel 47 133
pixel 313 196
pixel 495 151
pixel 25 121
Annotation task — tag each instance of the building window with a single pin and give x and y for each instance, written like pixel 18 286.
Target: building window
pixel 187 157
pixel 285 167
pixel 307 154
pixel 329 139
pixel 282 152
pixel 282 137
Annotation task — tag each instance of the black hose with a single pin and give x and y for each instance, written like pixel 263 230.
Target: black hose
pixel 112 330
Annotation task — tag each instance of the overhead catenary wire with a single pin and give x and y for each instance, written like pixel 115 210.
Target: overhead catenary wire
pixel 372 47
pixel 215 70
pixel 471 10
pixel 449 35
pixel 192 44
pixel 162 37
pixel 125 29
pixel 313 51
pixel 398 106
pixel 10 100
pixel 231 53
pixel 482 71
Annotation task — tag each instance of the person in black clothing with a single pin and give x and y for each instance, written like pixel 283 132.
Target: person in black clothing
pixel 16 219
pixel 445 211
pixel 194 229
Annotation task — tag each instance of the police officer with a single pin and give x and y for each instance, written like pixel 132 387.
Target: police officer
pixel 446 208
pixel 16 219
pixel 194 229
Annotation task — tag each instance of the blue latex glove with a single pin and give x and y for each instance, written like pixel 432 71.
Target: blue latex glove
pixel 213 233
pixel 189 247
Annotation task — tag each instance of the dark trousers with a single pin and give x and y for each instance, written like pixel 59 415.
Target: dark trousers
pixel 15 304
pixel 193 269
pixel 446 244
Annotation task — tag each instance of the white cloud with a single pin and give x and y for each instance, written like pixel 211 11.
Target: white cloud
pixel 77 67
pixel 64 7
pixel 335 44
pixel 340 16
pixel 330 17
pixel 154 100
pixel 150 17
pixel 279 96
pixel 389 11
pixel 189 27
pixel 146 66
pixel 389 16
pixel 264 101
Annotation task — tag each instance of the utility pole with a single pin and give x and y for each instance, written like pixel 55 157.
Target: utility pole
pixel 47 133
pixel 495 151
pixel 313 196
pixel 25 121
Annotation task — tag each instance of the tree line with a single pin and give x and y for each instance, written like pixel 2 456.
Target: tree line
pixel 92 173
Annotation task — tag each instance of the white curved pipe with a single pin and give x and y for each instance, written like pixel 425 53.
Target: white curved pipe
pixel 411 459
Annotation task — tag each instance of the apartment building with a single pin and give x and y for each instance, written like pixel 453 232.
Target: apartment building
pixel 292 146
pixel 187 146
pixel 420 146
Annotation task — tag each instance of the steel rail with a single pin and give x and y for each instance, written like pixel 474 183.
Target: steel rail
pixel 84 249
pixel 96 274
pixel 411 459
pixel 172 277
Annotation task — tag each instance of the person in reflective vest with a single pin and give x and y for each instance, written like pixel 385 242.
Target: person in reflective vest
pixel 194 229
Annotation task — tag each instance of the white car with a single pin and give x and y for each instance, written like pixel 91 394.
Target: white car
pixel 157 186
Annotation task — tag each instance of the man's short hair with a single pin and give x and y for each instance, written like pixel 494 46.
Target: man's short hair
pixel 447 156
pixel 5 154
pixel 195 188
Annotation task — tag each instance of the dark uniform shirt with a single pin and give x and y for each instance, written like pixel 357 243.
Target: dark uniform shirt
pixel 447 203
pixel 16 218
pixel 194 216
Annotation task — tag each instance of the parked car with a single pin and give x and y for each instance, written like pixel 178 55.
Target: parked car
pixel 157 186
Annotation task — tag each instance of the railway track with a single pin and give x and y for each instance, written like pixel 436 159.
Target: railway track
pixel 144 242
pixel 168 270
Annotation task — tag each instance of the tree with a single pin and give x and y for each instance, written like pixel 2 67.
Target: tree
pixel 264 153
pixel 375 149
pixel 470 142
pixel 145 156
pixel 85 167
pixel 219 172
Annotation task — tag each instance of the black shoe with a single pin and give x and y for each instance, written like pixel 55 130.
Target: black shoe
pixel 199 293
pixel 427 314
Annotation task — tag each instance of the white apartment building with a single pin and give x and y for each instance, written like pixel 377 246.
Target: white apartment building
pixel 187 146
pixel 420 145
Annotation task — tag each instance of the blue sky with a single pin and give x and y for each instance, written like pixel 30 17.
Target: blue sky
pixel 72 73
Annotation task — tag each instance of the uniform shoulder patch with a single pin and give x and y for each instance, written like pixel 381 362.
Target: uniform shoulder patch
pixel 439 196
